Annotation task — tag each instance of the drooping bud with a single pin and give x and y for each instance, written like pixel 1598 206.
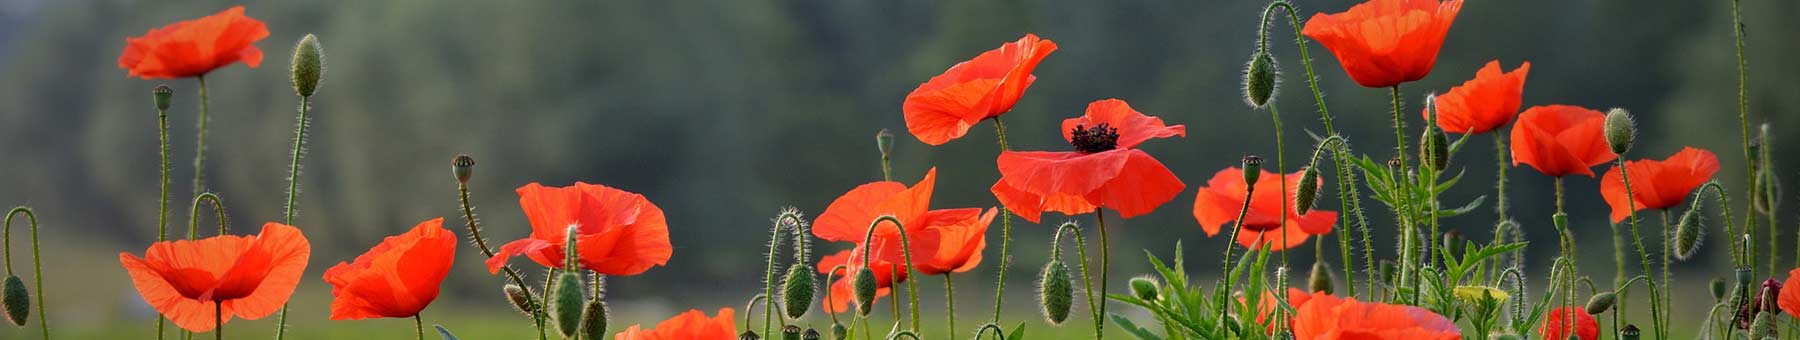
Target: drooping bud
pixel 162 95
pixel 1630 332
pixel 863 286
pixel 749 335
pixel 1454 242
pixel 1434 145
pixel 1688 234
pixel 464 167
pixel 1308 192
pixel 790 332
pixel 1320 279
pixel 1055 293
pixel 1763 326
pixel 1260 78
pixel 568 306
pixel 1145 288
pixel 309 65
pixel 1601 302
pixel 884 141
pixel 1252 169
pixel 1621 130
pixel 1718 288
pixel 797 291
pixel 594 319
pixel 16 300
pixel 810 334
pixel 520 300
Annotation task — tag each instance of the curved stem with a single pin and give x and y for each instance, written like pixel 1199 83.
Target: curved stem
pixel 1643 258
pixel 1005 232
pixel 769 278
pixel 200 145
pixel 37 263
pixel 912 287
pixel 750 307
pixel 998 333
pixel 474 226
pixel 1337 143
pixel 1087 283
pixel 828 310
pixel 218 206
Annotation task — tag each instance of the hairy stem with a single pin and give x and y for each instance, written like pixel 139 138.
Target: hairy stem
pixel 293 193
pixel 1656 313
pixel 37 263
pixel 1005 232
pixel 200 145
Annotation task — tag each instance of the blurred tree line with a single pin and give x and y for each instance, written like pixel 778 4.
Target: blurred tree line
pixel 721 112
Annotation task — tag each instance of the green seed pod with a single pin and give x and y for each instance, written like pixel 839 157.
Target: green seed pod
pixel 464 167
pixel 884 141
pixel 838 332
pixel 810 334
pixel 161 95
pixel 594 319
pixel 1308 192
pixel 1320 279
pixel 1055 294
pixel 17 302
pixel 749 335
pixel 1688 235
pixel 1602 302
pixel 1454 242
pixel 863 286
pixel 568 306
pixel 790 332
pixel 519 299
pixel 309 65
pixel 1621 130
pixel 1718 289
pixel 797 291
pixel 1630 332
pixel 1764 326
pixel 1145 288
pixel 1260 79
pixel 1252 169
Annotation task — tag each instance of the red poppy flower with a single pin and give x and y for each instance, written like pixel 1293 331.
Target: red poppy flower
pixel 1482 104
pixel 246 277
pixel 1296 298
pixel 688 326
pixel 195 47
pixel 1105 170
pixel 952 240
pixel 1789 299
pixel 1554 327
pixel 887 273
pixel 1383 43
pixel 1326 317
pixel 1560 140
pixel 943 108
pixel 618 233
pixel 1219 201
pixel 943 240
pixel 397 278
pixel 1658 184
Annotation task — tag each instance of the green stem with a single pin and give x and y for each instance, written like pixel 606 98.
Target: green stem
pixel 1743 106
pixel 162 210
pixel 1105 263
pixel 419 325
pixel 769 278
pixel 1005 232
pixel 474 226
pixel 37 263
pixel 912 286
pixel 950 305
pixel 1561 222
pixel 293 192
pixel 200 146
pixel 1281 173
pixel 218 206
pixel 1655 296
pixel 1500 152
pixel 218 320
pixel 1230 243
pixel 1399 128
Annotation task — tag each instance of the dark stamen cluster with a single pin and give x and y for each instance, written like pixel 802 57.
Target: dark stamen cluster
pixel 1099 138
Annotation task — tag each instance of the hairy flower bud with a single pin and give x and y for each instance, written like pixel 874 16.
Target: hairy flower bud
pixel 16 301
pixel 797 291
pixel 1688 234
pixel 1055 293
pixel 309 65
pixel 1763 326
pixel 593 320
pixel 1601 302
pixel 1145 288
pixel 1434 145
pixel 863 286
pixel 162 96
pixel 1308 192
pixel 1621 130
pixel 521 301
pixel 1252 169
pixel 464 167
pixel 1319 280
pixel 568 306
pixel 1260 79
pixel 1454 242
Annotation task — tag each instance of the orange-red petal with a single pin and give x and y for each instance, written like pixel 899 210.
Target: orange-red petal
pixel 692 325
pixel 848 217
pixel 1326 317
pixel 943 108
pixel 1658 184
pixel 195 47
pixel 1482 104
pixel 1560 140
pixel 1220 201
pixel 1134 127
pixel 1789 299
pixel 395 279
pixel 1126 180
pixel 1555 324
pixel 951 241
pixel 1383 43
pixel 249 276
pixel 619 233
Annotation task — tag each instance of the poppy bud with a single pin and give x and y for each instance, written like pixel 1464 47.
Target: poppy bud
pixel 1602 302
pixel 1434 149
pixel 1687 235
pixel 1320 279
pixel 1386 268
pixel 593 320
pixel 1252 169
pixel 162 95
pixel 1144 287
pixel 797 292
pixel 568 306
pixel 1260 78
pixel 749 335
pixel 464 167
pixel 884 141
pixel 1055 294
pixel 571 257
pixel 1718 288
pixel 1763 326
pixel 790 332
pixel 838 332
pixel 1621 129
pixel 1630 332
pixel 1308 192
pixel 810 334
pixel 309 65
pixel 520 300
pixel 1454 241
pixel 16 301
pixel 863 286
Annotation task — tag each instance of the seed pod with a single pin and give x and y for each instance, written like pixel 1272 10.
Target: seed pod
pixel 797 291
pixel 810 334
pixel 1621 130
pixel 1718 289
pixel 884 141
pixel 309 65
pixel 749 335
pixel 17 302
pixel 464 167
pixel 838 332
pixel 1055 294
pixel 594 319
pixel 1630 332
pixel 863 286
pixel 568 305
pixel 1308 192
pixel 1260 78
pixel 1145 288
pixel 161 95
pixel 1688 235
pixel 790 332
pixel 1252 169
pixel 1602 302
pixel 521 301
pixel 1320 279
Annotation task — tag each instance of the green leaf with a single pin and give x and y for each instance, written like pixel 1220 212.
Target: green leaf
pixel 1132 328
pixel 1018 332
pixel 444 332
pixel 1466 208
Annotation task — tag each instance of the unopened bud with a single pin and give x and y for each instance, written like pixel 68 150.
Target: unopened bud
pixel 568 306
pixel 1621 130
pixel 521 301
pixel 1320 279
pixel 1145 288
pixel 1055 294
pixel 464 167
pixel 1252 169
pixel 838 332
pixel 1763 326
pixel 1454 242
pixel 1718 288
pixel 790 332
pixel 1260 78
pixel 797 291
pixel 162 96
pixel 863 286
pixel 1308 192
pixel 1602 302
pixel 309 65
pixel 593 320
pixel 16 300
pixel 1688 234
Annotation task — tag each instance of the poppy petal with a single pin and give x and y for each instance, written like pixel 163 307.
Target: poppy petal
pixel 1134 127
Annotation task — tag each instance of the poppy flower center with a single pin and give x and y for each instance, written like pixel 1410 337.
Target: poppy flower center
pixel 1099 138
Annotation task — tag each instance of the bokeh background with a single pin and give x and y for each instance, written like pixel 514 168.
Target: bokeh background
pixel 721 112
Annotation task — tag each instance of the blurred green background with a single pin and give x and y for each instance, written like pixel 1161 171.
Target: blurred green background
pixel 721 112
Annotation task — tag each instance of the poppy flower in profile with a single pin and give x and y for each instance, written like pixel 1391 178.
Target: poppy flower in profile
pixel 1658 184
pixel 953 245
pixel 397 278
pixel 1561 140
pixel 943 108
pixel 618 233
pixel 690 325
pixel 1789 298
pixel 1383 43
pixel 942 240
pixel 1219 201
pixel 887 273
pixel 246 277
pixel 195 47
pixel 1556 324
pixel 1482 104
pixel 1106 170
pixel 1295 297
pixel 1326 317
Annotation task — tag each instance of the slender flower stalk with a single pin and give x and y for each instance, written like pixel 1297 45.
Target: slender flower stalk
pixel 950 306
pixel 218 320
pixel 1087 283
pixel 37 263
pixel 1743 108
pixel 906 251
pixel 1005 232
pixel 161 97
pixel 308 66
pixel 218 206
pixel 1252 168
pixel 419 325
pixel 463 167
pixel 788 220
pixel 1281 172
pixel 1105 263
pixel 200 140
pixel 1655 296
